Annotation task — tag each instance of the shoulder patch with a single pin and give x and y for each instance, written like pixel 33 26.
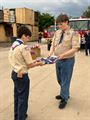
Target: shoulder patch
pixel 75 33
pixel 27 48
pixel 68 33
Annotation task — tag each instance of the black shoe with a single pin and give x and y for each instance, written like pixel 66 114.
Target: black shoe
pixel 63 103
pixel 26 116
pixel 58 97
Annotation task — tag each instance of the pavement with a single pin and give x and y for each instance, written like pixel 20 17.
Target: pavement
pixel 44 88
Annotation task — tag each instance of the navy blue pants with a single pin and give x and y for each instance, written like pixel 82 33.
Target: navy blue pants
pixel 21 94
pixel 64 69
pixel 87 48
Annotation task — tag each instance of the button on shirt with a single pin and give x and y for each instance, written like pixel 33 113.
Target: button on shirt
pixel 19 57
pixel 70 40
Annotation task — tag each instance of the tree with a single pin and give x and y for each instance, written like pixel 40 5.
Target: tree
pixel 45 20
pixel 87 12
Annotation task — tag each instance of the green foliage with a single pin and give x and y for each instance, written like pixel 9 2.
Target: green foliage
pixel 87 13
pixel 45 20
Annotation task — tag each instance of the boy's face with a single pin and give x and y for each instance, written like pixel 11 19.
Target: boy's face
pixel 63 25
pixel 26 38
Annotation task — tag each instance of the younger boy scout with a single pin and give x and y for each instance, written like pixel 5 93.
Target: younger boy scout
pixel 21 60
pixel 64 45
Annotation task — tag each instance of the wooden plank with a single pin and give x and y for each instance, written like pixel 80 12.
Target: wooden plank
pixel 3 37
pixel 24 16
pixel 14 25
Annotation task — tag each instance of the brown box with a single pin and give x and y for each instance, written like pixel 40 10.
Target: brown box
pixel 35 52
pixel 35 33
pixel 33 56
pixel 24 16
pixel 6 15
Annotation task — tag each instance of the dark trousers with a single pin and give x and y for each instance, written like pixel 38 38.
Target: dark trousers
pixel 39 40
pixel 64 69
pixel 21 94
pixel 87 48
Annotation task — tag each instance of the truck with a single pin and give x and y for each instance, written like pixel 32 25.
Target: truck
pixel 81 25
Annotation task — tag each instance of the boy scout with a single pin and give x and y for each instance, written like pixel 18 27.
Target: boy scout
pixel 64 45
pixel 21 60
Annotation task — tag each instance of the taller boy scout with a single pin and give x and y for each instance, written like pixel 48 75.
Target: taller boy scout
pixel 64 45
pixel 21 60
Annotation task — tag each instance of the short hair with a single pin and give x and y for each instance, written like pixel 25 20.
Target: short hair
pixel 23 30
pixel 62 18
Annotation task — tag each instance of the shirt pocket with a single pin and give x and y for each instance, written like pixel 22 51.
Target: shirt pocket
pixel 67 40
pixel 66 43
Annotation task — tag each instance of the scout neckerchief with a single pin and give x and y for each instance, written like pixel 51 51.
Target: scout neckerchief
pixel 16 43
pixel 62 36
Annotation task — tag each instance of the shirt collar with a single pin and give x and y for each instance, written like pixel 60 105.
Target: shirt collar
pixel 20 40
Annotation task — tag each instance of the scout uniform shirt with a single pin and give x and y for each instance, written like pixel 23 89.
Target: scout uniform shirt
pixel 70 40
pixel 20 56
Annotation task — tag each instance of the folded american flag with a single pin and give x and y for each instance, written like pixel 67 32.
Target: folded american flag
pixel 48 60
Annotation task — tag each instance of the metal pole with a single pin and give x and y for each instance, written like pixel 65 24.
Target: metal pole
pixel 55 24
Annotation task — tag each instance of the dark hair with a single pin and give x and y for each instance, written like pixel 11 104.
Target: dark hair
pixel 23 30
pixel 62 18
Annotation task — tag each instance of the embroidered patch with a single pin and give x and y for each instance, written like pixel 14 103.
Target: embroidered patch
pixel 68 33
pixel 75 33
pixel 27 48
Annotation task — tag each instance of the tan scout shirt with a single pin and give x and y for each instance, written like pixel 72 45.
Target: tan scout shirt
pixel 20 57
pixel 71 40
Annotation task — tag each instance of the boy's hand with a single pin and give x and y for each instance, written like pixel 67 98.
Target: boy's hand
pixel 19 75
pixel 41 63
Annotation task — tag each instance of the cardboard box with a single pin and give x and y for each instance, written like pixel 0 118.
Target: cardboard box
pixel 35 52
pixel 24 16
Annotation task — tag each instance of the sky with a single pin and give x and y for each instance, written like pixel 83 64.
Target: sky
pixel 54 7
